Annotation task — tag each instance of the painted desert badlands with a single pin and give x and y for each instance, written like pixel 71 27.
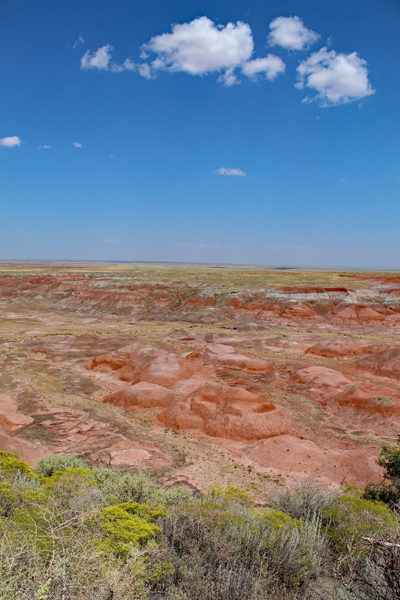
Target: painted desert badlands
pixel 201 375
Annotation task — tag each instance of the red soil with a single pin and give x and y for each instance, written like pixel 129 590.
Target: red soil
pixel 223 411
pixel 326 412
pixel 228 356
pixel 386 363
pixel 140 362
pixel 335 348
pixel 296 457
pixel 141 395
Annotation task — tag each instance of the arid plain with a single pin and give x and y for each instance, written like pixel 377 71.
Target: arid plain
pixel 201 375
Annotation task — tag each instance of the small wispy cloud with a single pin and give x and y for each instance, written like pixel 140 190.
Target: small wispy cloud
pixel 77 144
pixel 11 141
pixel 231 172
pixel 78 42
pixel 111 241
pixel 101 60
pixel 44 147
pixel 344 180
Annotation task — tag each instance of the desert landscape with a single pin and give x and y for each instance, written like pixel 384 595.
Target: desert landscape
pixel 200 375
pixel 199 300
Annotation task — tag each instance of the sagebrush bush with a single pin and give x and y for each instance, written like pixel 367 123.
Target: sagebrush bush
pixel 48 465
pixel 69 531
pixel 136 488
pixel 59 538
pixel 351 518
pixel 223 548
pixel 303 500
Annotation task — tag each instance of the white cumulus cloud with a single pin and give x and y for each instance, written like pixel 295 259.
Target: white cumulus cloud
pixel 271 66
pixel 197 48
pixel 291 33
pixel 10 142
pixel 232 172
pixel 77 144
pixel 337 78
pixel 201 47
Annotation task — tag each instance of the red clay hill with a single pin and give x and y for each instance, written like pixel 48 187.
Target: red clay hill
pixel 248 374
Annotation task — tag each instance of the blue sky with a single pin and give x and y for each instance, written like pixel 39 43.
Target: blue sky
pixel 235 132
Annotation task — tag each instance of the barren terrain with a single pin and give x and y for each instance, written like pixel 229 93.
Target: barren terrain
pixel 201 375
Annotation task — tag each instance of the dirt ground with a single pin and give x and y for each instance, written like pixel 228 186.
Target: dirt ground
pixel 201 375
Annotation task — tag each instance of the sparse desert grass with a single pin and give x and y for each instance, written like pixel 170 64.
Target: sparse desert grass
pixel 225 276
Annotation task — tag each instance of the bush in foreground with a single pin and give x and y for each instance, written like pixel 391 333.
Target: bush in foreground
pixel 388 490
pixel 71 532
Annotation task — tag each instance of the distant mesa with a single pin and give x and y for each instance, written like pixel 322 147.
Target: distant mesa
pixel 182 335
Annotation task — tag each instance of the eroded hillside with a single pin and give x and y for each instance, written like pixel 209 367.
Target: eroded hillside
pixel 201 375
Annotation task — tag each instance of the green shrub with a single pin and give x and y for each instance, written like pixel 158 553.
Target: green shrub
pixel 223 548
pixel 351 519
pixel 58 462
pixel 303 500
pixel 128 525
pixel 82 533
pixel 124 487
pixel 11 467
pixel 60 530
pixel 388 490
